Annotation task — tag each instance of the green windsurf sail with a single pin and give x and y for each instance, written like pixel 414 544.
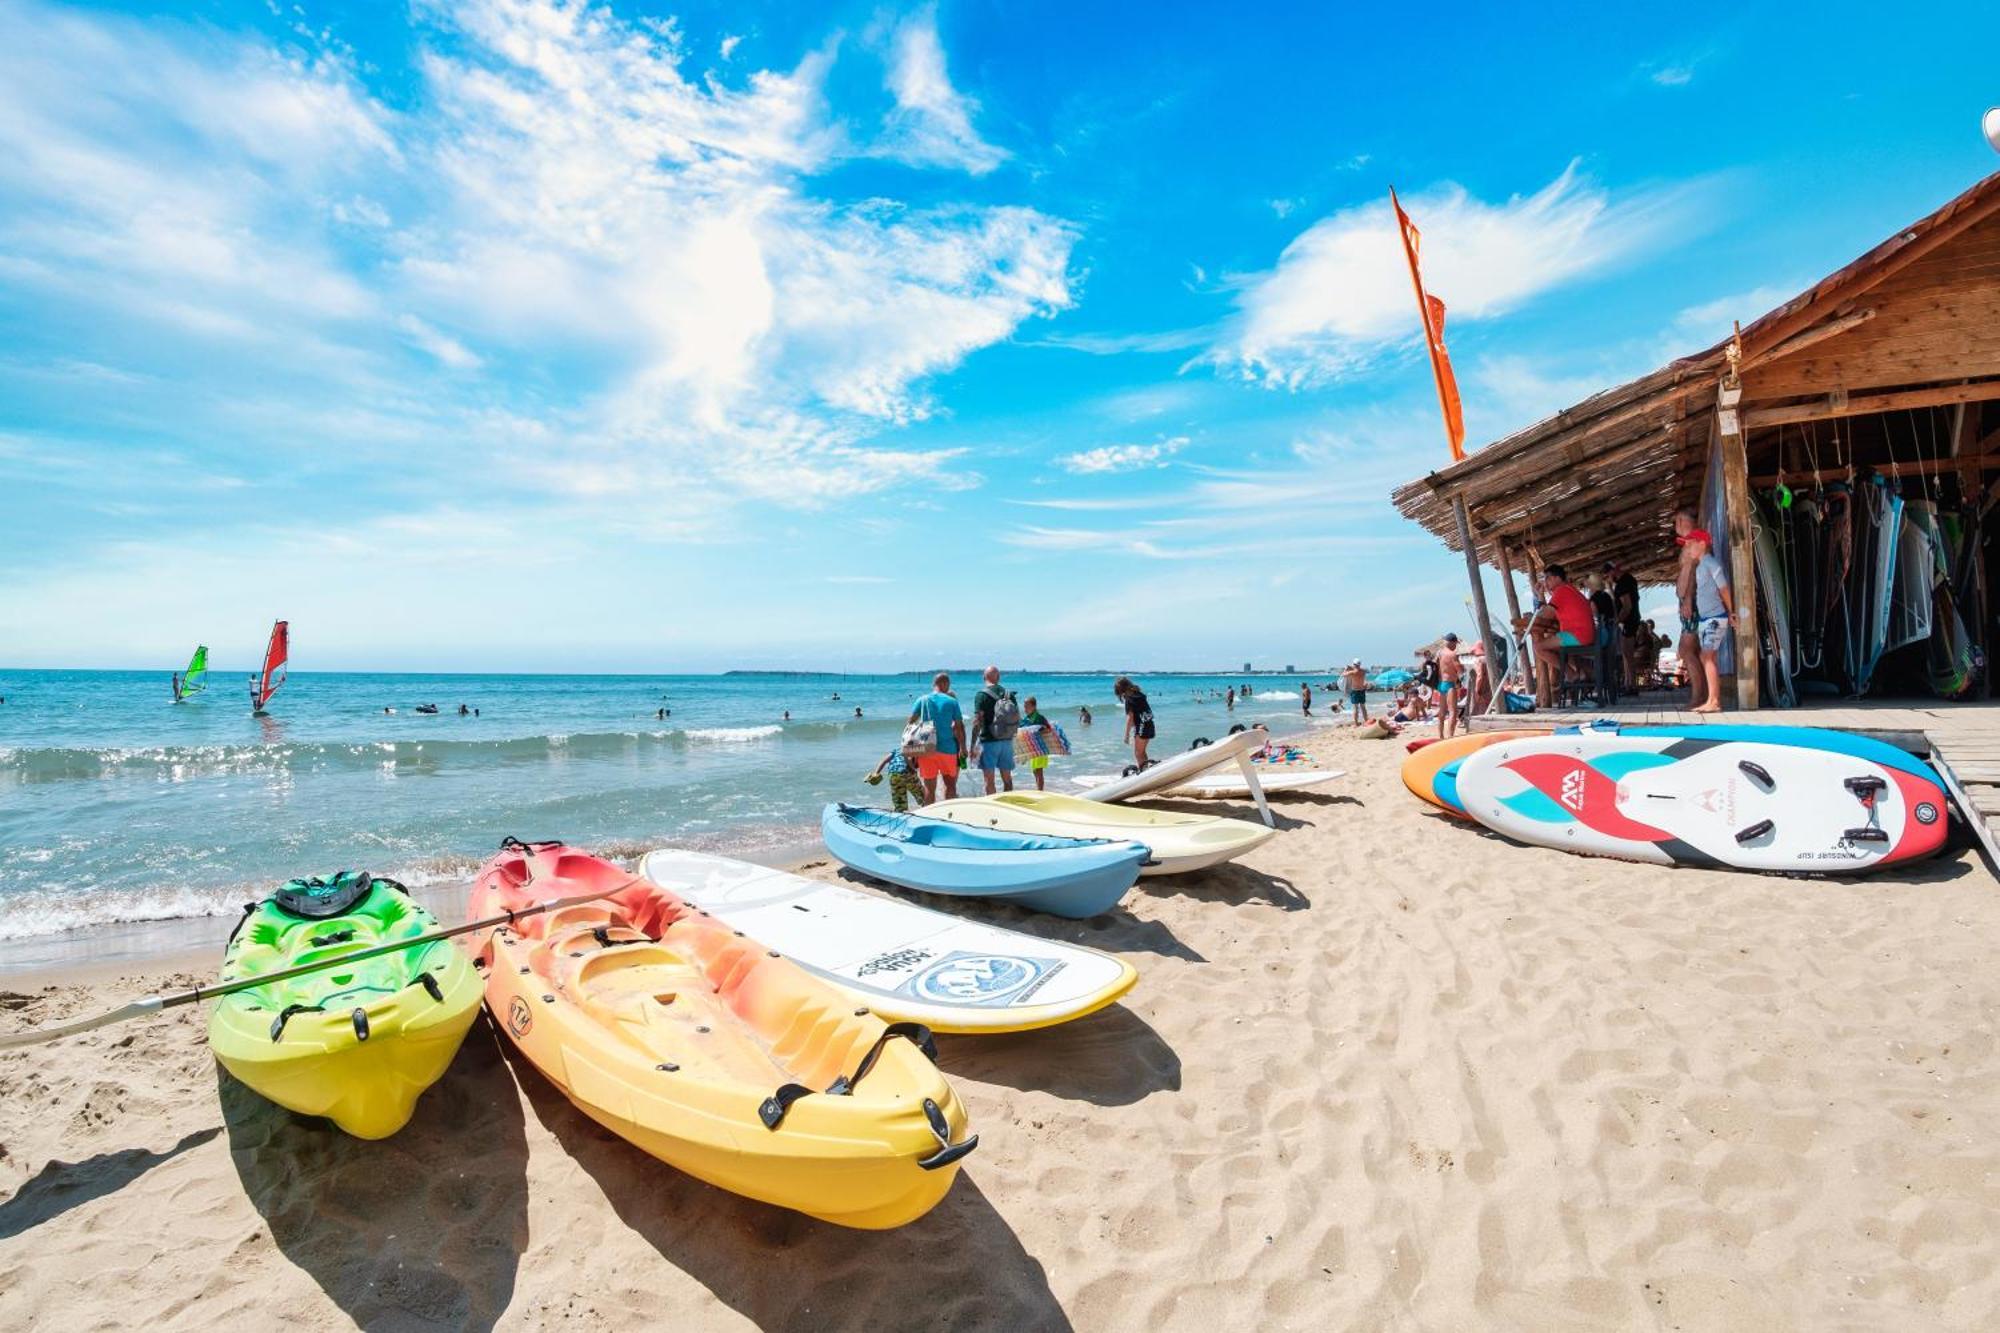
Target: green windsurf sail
pixel 195 679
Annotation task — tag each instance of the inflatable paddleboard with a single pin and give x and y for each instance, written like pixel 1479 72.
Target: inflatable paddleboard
pixel 904 962
pixel 1794 799
pixel 1174 772
pixel 1431 773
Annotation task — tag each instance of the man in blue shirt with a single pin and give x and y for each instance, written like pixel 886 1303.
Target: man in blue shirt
pixel 940 709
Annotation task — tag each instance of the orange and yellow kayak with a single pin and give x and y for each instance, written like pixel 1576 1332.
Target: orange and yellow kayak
pixel 712 1053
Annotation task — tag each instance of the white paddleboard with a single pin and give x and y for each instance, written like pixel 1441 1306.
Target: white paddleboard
pixel 1170 773
pixel 906 963
pixel 1219 786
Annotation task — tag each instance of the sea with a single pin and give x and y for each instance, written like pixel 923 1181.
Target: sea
pixel 119 806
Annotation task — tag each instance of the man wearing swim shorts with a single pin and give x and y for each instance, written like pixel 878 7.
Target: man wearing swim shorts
pixel 1355 681
pixel 940 709
pixel 1714 614
pixel 995 752
pixel 1451 675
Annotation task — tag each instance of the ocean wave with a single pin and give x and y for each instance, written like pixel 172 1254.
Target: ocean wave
pixel 440 882
pixel 22 765
pixel 734 735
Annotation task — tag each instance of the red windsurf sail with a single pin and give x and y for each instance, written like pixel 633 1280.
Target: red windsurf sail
pixel 273 674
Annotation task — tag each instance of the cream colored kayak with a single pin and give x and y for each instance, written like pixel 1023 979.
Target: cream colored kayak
pixel 1178 842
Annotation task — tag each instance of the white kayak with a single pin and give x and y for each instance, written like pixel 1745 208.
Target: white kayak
pixel 1177 843
pixel 906 963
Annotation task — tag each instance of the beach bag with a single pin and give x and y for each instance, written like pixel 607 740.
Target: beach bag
pixel 920 736
pixel 1006 718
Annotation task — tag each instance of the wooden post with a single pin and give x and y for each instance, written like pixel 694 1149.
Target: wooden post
pixel 1517 642
pixel 1472 572
pixel 1742 554
pixel 1971 477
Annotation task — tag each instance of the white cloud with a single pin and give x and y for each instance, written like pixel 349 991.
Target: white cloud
pixel 1339 296
pixel 1122 457
pixel 729 44
pixel 1673 76
pixel 617 276
pixel 932 121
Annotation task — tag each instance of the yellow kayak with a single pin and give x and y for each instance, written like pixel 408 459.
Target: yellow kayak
pixel 356 1044
pixel 1178 842
pixel 700 1046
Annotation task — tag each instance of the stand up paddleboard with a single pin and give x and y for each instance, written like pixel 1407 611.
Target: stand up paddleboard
pixel 906 963
pixel 1178 771
pixel 1431 773
pixel 1233 786
pixel 1794 799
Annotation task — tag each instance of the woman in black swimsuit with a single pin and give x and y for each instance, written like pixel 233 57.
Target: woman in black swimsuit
pixel 1138 716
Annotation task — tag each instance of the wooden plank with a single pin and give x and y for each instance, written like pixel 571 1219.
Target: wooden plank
pixel 1742 565
pixel 1862 404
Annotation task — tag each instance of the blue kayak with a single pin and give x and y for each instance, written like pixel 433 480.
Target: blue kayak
pixel 1073 877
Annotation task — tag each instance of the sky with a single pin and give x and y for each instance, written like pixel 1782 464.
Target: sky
pixel 525 335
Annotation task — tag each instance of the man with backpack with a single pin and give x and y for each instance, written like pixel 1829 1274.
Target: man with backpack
pixel 996 716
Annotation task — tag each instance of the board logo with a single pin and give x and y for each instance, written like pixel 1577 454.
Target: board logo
pixel 1572 791
pixel 1926 813
pixel 980 978
pixel 519 1017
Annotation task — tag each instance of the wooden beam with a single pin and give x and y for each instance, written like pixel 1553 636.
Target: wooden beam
pixel 1929 467
pixel 1742 565
pixel 1838 404
pixel 1798 342
pixel 1472 572
pixel 1507 582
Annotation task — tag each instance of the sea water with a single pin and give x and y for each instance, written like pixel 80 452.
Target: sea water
pixel 118 805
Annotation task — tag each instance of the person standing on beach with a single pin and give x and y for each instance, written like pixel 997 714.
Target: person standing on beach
pixel 1139 728
pixel 1715 614
pixel 905 791
pixel 1450 687
pixel 940 709
pixel 995 719
pixel 1306 698
pixel 1355 681
pixel 1688 649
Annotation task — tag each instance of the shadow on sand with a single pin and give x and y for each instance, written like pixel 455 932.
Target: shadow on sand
pixel 421 1230
pixel 1117 930
pixel 1111 1058
pixel 61 1186
pixel 959 1266
pixel 1231 883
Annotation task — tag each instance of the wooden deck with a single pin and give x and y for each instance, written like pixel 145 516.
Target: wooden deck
pixel 1962 740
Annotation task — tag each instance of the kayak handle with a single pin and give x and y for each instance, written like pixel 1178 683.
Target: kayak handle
pixel 948 1152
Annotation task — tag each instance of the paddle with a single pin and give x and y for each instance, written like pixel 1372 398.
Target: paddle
pixel 152 1004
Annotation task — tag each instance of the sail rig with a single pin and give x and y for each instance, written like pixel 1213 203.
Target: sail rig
pixel 195 679
pixel 266 683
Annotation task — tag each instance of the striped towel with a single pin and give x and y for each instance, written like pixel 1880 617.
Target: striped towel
pixel 1040 742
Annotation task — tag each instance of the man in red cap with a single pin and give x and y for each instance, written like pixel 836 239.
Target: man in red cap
pixel 1714 612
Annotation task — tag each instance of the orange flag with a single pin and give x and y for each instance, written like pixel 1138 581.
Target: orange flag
pixel 1431 311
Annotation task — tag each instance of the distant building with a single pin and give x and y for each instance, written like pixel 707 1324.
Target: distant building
pixel 1246 668
pixel 1290 669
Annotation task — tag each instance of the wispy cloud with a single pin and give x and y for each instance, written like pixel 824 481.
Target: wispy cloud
pixel 1339 297
pixel 932 121
pixel 1122 457
pixel 560 195
pixel 1117 344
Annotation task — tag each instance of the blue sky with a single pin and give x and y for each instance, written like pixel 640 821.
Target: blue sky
pixel 507 334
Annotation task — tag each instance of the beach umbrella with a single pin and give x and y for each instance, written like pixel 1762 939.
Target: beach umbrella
pixel 1393 678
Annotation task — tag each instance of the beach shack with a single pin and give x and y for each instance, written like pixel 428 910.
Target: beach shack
pixel 1842 448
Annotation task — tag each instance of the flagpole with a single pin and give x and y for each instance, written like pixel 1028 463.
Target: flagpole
pixel 1485 627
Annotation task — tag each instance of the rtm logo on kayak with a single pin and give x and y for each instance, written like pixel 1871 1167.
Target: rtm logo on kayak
pixel 1571 794
pixel 519 1017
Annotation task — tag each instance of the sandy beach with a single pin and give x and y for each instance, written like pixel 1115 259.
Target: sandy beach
pixel 1391 1072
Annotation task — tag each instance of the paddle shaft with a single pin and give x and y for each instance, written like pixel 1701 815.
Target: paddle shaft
pixel 154 1003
